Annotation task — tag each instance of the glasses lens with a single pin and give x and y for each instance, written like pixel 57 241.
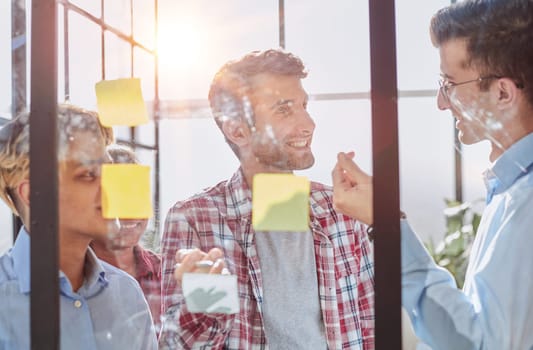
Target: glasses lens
pixel 443 89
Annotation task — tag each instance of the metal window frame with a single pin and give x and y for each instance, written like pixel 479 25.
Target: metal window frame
pixel 19 86
pixel 130 39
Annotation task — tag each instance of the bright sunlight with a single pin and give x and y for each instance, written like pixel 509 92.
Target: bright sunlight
pixel 181 45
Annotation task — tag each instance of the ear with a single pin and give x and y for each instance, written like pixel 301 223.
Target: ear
pixel 237 131
pixel 23 192
pixel 507 93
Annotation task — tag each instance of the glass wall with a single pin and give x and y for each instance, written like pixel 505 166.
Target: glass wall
pixel 5 59
pixel 196 38
pixel 333 41
pixel 5 107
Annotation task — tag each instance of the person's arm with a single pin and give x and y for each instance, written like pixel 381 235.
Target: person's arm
pixel 499 312
pixel 499 315
pixel 180 328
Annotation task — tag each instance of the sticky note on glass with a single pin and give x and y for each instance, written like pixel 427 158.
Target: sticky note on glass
pixel 208 293
pixel 120 102
pixel 126 191
pixel 280 202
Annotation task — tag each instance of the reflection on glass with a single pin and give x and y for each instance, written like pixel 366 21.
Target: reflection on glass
pixel 144 22
pixel 91 6
pixel 417 58
pixel 224 29
pixel 5 59
pixel 334 42
pixel 143 68
pixel 118 15
pixel 85 62
pixel 426 164
pixel 117 58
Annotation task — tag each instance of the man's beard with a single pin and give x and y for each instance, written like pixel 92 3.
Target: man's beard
pixel 272 153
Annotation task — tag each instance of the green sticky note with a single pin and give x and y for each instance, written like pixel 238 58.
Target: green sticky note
pixel 280 202
pixel 126 191
pixel 120 102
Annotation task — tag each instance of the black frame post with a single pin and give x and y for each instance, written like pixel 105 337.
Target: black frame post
pixel 44 178
pixel 384 97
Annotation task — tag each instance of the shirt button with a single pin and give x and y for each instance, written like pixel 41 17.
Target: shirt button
pixel 77 304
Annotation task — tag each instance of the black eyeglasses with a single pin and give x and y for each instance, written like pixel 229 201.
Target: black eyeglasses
pixel 445 86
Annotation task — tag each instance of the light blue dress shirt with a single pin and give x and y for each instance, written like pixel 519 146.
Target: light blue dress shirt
pixel 108 312
pixel 495 309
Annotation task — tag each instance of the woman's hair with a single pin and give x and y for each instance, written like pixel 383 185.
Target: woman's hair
pixel 15 145
pixel 122 154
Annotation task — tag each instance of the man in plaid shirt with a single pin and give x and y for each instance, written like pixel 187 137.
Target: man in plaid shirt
pixel 310 290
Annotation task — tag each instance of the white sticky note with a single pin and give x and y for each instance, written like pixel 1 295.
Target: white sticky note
pixel 210 293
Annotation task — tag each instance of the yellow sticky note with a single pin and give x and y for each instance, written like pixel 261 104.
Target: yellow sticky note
pixel 280 202
pixel 126 191
pixel 120 102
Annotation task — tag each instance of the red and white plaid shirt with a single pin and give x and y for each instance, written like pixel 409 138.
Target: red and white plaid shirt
pixel 221 217
pixel 148 274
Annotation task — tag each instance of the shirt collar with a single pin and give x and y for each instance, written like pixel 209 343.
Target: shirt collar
pixel 238 197
pixel 21 259
pixel 95 273
pixel 316 203
pixel 511 165
pixel 94 279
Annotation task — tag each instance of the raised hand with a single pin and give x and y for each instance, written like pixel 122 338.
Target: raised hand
pixel 352 189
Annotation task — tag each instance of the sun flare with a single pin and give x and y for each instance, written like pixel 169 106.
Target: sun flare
pixel 181 44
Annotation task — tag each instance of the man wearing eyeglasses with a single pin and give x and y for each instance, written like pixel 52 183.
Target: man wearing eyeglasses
pixel 486 53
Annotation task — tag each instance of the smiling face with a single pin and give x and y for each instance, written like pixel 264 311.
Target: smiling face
pixel 474 109
pixel 79 186
pixel 128 235
pixel 283 130
pixel 126 232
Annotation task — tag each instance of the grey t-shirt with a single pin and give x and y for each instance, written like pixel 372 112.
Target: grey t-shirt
pixel 291 307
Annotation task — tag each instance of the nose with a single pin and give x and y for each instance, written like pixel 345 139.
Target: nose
pixel 442 102
pixel 307 123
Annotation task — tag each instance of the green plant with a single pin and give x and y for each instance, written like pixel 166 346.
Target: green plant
pixel 453 251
